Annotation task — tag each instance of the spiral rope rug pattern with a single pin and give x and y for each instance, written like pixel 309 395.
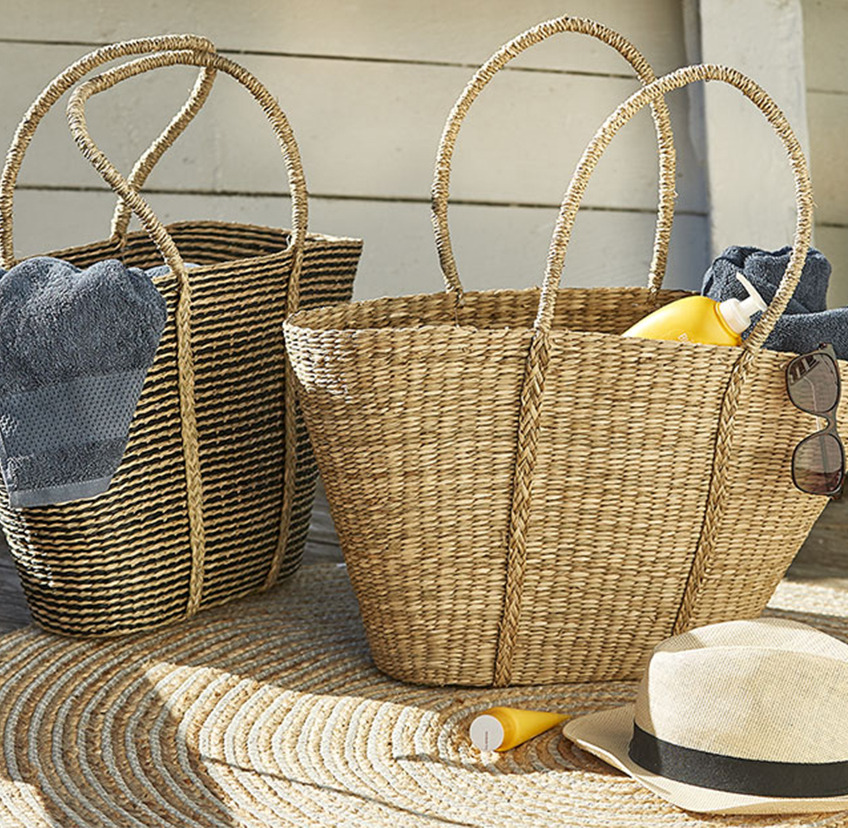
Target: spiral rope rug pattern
pixel 271 713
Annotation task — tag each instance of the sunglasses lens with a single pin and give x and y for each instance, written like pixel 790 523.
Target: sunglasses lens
pixel 813 383
pixel 818 464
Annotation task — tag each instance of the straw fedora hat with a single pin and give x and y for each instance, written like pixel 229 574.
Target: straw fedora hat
pixel 740 717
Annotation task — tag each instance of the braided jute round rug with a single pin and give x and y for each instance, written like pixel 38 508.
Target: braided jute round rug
pixel 270 713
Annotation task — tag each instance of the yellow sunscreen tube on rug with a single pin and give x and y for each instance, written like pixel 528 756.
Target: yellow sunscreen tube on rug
pixel 502 728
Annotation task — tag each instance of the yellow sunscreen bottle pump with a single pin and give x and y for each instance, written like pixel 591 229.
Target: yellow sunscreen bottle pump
pixel 701 319
pixel 502 728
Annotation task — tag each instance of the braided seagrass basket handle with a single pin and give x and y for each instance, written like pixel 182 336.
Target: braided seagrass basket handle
pixel 648 95
pixel 187 57
pixel 168 249
pixel 61 84
pixel 145 164
pixel 538 356
pixel 538 34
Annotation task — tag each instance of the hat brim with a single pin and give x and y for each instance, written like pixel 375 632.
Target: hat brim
pixel 607 735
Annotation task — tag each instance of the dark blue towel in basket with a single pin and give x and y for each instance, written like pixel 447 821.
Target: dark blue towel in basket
pixel 75 348
pixel 806 322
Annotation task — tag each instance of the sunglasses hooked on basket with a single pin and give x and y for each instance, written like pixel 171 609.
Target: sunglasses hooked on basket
pixel 814 385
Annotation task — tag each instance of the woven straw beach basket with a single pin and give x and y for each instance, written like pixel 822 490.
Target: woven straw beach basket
pixel 524 496
pixel 213 496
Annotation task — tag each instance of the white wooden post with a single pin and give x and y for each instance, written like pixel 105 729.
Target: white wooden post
pixel 749 183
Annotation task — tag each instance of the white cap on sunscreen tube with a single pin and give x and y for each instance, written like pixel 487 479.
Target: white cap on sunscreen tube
pixel 486 732
pixel 738 312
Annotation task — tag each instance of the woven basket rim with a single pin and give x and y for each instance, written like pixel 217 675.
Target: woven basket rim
pixel 211 223
pixel 459 332
pixel 247 225
pixel 305 319
pixel 310 320
pixel 214 267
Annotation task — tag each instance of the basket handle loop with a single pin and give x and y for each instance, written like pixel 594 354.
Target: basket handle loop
pixel 166 245
pixel 157 231
pixel 145 164
pixel 537 34
pixel 538 356
pixel 61 84
pixel 649 94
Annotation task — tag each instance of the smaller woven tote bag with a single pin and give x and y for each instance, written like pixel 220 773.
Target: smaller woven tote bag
pixel 522 495
pixel 213 496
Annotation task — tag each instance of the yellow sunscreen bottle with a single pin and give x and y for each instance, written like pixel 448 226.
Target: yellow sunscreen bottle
pixel 701 319
pixel 502 728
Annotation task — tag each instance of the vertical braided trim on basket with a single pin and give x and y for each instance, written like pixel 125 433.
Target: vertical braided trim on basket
pixel 289 430
pixel 532 392
pixel 705 553
pixel 185 356
pixel 704 559
pixel 182 319
pixel 191 450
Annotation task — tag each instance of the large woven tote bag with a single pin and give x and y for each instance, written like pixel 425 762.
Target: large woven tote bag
pixel 213 496
pixel 523 495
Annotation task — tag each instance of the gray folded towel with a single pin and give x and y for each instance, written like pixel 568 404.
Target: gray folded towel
pixel 806 322
pixel 75 348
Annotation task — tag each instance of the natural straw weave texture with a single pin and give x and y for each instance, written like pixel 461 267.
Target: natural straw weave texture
pixel 524 496
pixel 271 714
pixel 213 496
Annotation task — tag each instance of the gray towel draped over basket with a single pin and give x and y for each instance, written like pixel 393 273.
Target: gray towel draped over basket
pixel 75 348
pixel 212 498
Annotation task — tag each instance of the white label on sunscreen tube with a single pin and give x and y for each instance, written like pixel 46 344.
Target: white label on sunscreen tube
pixel 486 733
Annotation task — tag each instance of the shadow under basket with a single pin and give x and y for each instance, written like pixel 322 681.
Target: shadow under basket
pixel 123 561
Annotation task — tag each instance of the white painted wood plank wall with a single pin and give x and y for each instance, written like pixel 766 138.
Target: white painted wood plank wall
pixel 367 86
pixel 825 27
